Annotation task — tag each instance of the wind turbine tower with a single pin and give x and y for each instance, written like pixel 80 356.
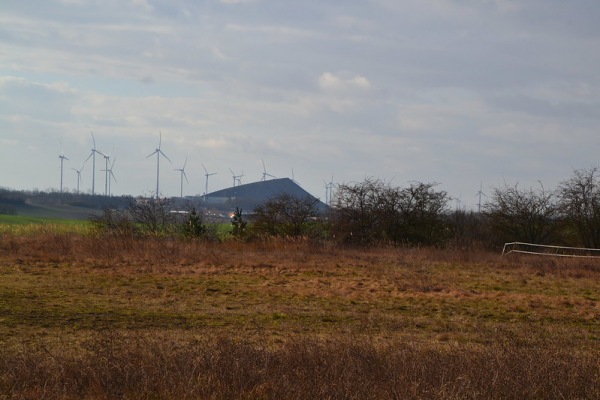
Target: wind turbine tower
pixel 207 174
pixel 158 153
pixel 93 157
pixel 106 174
pixel 183 175
pixel 329 190
pixel 110 171
pixel 78 176
pixel 479 194
pixel 62 159
pixel 109 175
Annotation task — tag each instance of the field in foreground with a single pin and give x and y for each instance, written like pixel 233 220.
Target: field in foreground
pixel 88 317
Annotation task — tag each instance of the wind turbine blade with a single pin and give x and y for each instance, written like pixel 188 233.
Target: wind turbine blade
pixel 164 155
pixel 62 153
pixel 90 156
pixel 113 163
pixel 153 153
pixel 204 169
pixel 185 176
pixel 93 140
pixel 159 139
pixel 185 163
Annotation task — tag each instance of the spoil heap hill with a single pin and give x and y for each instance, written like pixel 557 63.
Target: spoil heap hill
pixel 250 195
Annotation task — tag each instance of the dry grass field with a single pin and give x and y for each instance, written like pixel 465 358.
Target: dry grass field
pixel 93 317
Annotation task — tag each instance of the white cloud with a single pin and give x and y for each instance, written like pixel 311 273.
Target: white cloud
pixel 342 82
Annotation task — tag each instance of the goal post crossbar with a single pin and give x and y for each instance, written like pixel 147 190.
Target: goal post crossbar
pixel 558 251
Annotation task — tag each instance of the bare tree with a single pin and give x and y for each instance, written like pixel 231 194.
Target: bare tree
pixel 153 215
pixel 357 211
pixel 580 204
pixel 531 215
pixel 285 215
pixel 422 210
pixel 373 211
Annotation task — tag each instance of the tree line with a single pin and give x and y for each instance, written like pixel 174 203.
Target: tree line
pixel 374 212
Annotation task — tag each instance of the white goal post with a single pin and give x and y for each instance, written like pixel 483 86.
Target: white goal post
pixel 546 250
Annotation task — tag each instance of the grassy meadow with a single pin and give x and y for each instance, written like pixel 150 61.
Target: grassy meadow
pixel 83 316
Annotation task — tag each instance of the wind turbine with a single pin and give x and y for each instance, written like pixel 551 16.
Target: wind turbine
pixel 237 179
pixel 480 193
pixel 107 172
pixel 158 153
pixel 62 159
pixel 329 190
pixel 458 203
pixel 265 174
pixel 183 175
pixel 207 174
pixel 110 174
pixel 93 157
pixel 78 176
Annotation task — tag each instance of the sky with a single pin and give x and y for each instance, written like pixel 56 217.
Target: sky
pixel 463 93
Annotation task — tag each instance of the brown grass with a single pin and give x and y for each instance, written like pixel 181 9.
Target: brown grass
pixel 137 366
pixel 92 317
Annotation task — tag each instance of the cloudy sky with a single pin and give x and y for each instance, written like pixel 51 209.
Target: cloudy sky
pixel 459 92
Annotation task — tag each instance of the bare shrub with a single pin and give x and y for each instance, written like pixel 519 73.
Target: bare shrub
pixel 285 216
pixel 523 215
pixel 580 203
pixel 374 212
pixel 113 222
